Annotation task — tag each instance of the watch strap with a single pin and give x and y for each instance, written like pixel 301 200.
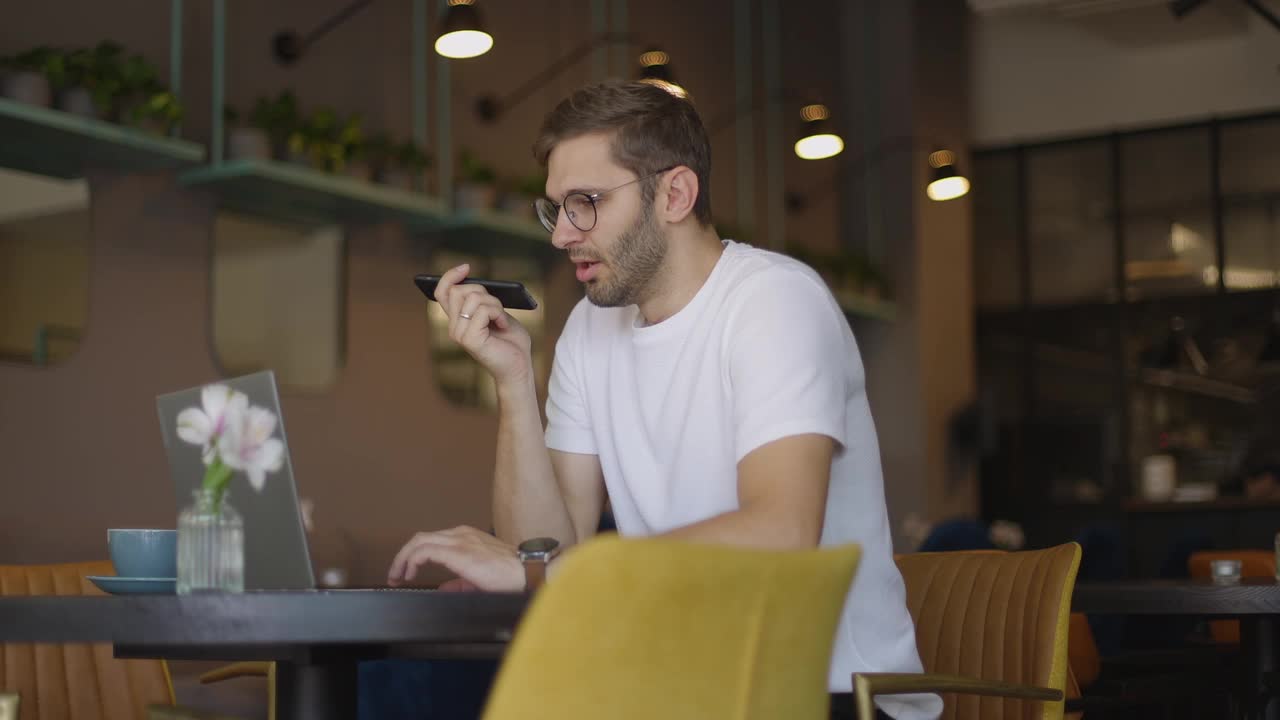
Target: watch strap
pixel 535 573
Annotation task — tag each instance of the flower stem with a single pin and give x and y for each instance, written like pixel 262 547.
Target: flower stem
pixel 215 481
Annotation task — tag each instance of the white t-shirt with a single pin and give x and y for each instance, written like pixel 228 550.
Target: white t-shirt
pixel 761 352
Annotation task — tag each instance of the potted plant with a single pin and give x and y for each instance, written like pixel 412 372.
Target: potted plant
pixel 402 164
pixel 476 189
pixel 24 76
pixel 245 141
pixel 87 81
pixel 158 114
pixel 137 82
pixel 409 165
pixel 278 119
pixel 71 81
pixel 347 152
pixel 312 142
pixel 377 150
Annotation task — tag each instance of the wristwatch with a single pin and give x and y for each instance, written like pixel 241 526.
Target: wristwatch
pixel 535 554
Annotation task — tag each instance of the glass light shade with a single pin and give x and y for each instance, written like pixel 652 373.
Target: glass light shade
pixel 462 32
pixel 461 44
pixel 817 147
pixel 947 187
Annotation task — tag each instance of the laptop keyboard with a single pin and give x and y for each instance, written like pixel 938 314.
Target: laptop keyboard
pixel 386 588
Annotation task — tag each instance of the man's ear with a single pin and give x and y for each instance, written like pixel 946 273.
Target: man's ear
pixel 681 193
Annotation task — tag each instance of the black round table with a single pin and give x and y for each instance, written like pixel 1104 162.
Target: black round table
pixel 1255 602
pixel 315 637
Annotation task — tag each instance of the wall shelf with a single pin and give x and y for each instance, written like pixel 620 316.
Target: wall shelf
pixel 493 231
pixel 54 143
pixel 293 193
pixel 296 194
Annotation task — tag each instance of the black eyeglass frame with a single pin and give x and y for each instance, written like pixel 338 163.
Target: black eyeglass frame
pixel 549 219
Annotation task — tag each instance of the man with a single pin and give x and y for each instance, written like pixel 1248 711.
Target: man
pixel 713 390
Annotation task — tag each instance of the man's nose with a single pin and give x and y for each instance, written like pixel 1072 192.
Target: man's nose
pixel 565 233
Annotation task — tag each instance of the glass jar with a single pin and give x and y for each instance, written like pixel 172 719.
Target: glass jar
pixel 210 545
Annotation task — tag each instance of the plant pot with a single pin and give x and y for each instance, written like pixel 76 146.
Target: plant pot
pixel 248 142
pixel 79 101
pixel 475 196
pixel 27 87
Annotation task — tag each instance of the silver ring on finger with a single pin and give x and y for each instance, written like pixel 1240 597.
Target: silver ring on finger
pixel 464 316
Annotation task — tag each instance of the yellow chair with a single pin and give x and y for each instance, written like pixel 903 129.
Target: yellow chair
pixel 250 668
pixel 72 680
pixel 657 628
pixel 988 625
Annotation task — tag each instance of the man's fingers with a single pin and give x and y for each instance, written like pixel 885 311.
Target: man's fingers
pixel 432 552
pixel 401 560
pixel 467 299
pixel 473 332
pixel 444 289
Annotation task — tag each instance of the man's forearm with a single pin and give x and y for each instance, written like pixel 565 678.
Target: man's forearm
pixel 748 528
pixel 527 501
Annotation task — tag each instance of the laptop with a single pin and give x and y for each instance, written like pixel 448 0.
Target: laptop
pixel 276 554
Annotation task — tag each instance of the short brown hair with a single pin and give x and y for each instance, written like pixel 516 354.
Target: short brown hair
pixel 652 129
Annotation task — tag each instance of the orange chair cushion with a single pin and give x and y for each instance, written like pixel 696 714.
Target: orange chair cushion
pixel 74 681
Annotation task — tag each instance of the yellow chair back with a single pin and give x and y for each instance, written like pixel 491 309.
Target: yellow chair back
pixel 658 628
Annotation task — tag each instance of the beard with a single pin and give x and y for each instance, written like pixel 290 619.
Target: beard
pixel 636 258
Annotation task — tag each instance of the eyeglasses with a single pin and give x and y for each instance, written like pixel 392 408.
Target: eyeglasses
pixel 580 208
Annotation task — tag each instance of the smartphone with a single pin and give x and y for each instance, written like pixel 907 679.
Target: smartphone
pixel 512 295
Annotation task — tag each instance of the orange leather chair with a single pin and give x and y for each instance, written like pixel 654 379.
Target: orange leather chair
pixel 1084 663
pixel 1253 564
pixel 989 626
pixel 63 681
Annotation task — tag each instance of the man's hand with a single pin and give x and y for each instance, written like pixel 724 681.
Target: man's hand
pixel 474 556
pixel 479 324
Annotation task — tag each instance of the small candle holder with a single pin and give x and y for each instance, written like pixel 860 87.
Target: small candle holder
pixel 1225 572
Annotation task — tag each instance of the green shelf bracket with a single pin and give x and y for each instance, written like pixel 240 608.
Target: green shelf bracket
pixel 218 93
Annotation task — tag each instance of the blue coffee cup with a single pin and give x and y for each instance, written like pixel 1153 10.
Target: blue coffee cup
pixel 140 553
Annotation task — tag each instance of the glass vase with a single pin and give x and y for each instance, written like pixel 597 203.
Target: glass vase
pixel 210 545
